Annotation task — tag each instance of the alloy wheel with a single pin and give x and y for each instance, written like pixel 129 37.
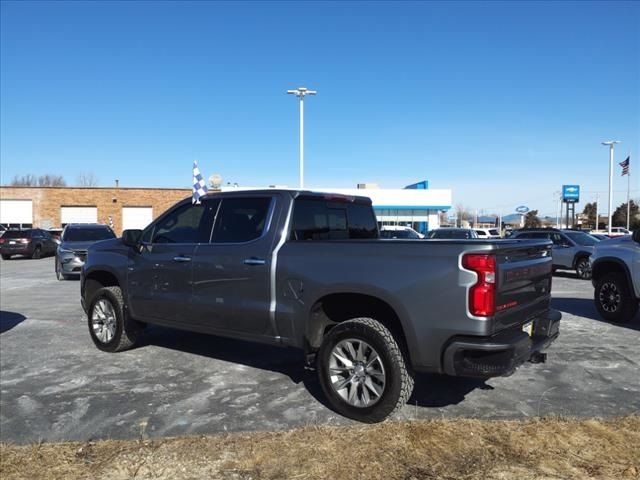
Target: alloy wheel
pixel 583 269
pixel 357 373
pixel 103 320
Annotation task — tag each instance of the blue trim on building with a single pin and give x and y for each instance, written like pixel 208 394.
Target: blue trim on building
pixel 423 185
pixel 413 207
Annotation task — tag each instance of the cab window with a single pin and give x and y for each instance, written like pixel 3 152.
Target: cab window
pixel 188 223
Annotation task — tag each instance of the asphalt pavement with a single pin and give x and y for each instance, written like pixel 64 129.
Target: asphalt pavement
pixel 55 385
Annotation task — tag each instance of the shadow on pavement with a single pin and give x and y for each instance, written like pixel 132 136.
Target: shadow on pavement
pixel 430 390
pixel 584 307
pixel 8 320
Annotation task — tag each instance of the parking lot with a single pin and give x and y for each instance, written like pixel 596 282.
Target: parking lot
pixel 55 385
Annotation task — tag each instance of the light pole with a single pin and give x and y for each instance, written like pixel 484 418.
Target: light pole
pixel 301 92
pixel 610 144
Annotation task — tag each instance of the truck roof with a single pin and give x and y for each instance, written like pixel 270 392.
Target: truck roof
pixel 297 193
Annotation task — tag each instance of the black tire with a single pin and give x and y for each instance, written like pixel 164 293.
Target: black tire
pixel 398 376
pixel 613 298
pixel 36 253
pixel 6 257
pixel 59 275
pixel 127 330
pixel 583 268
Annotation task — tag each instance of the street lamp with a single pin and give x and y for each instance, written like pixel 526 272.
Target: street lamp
pixel 610 143
pixel 301 92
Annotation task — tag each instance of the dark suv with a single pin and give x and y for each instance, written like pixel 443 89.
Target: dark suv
pixel 571 248
pixel 33 243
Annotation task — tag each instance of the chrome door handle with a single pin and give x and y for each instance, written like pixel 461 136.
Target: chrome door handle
pixel 180 258
pixel 254 261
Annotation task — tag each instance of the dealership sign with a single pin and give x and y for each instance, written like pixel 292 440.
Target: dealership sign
pixel 522 209
pixel 571 193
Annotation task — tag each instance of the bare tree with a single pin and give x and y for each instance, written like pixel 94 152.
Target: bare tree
pixel 31 180
pixel 531 220
pixel 462 213
pixel 87 180
pixel 49 180
pixel 28 180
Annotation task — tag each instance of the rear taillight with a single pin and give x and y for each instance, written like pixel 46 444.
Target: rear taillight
pixel 1 241
pixel 482 295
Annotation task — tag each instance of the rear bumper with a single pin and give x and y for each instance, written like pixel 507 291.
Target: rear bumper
pixel 501 353
pixel 17 250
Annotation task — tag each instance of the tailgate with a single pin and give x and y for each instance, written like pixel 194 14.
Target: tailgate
pixel 524 281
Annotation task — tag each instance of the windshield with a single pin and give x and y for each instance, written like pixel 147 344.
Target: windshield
pixel 87 234
pixel 453 234
pixel 582 238
pixel 17 234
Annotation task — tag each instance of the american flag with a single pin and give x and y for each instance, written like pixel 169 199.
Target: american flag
pixel 625 166
pixel 199 185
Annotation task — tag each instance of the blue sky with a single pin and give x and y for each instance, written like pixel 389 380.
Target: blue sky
pixel 501 102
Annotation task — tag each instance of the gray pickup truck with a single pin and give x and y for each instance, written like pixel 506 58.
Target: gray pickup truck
pixel 308 270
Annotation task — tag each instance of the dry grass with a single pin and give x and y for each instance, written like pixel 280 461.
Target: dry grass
pixel 455 449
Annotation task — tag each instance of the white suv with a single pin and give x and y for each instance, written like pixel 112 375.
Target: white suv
pixel 392 231
pixel 615 266
pixel 488 232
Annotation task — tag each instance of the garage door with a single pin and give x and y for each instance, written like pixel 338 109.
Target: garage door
pixel 136 217
pixel 78 215
pixel 16 212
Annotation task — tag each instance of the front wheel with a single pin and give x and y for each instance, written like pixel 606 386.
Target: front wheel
pixel 583 268
pixel 110 328
pixel 613 298
pixel 59 275
pixel 362 370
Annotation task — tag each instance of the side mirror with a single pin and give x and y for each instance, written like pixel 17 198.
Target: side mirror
pixel 636 235
pixel 131 238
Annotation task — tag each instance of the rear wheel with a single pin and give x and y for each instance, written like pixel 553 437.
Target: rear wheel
pixel 6 257
pixel 583 268
pixel 362 370
pixel 110 327
pixel 36 253
pixel 613 297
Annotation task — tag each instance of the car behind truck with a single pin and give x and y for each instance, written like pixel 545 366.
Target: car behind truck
pixel 307 270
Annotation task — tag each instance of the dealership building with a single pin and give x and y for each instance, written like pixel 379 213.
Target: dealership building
pixel 125 208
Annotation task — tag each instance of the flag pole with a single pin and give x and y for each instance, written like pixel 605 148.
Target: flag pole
pixel 628 189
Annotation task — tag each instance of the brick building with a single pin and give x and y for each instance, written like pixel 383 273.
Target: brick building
pixel 54 207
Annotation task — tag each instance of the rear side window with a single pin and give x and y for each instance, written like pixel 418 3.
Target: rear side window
pixel 241 219
pixel 322 220
pixel 481 233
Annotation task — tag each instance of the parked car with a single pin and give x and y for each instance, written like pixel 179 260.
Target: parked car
pixel 307 270
pixel 619 231
pixel 56 234
pixel 453 233
pixel 488 232
pixel 33 242
pixel 399 232
pixel 616 277
pixel 72 250
pixel 571 248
